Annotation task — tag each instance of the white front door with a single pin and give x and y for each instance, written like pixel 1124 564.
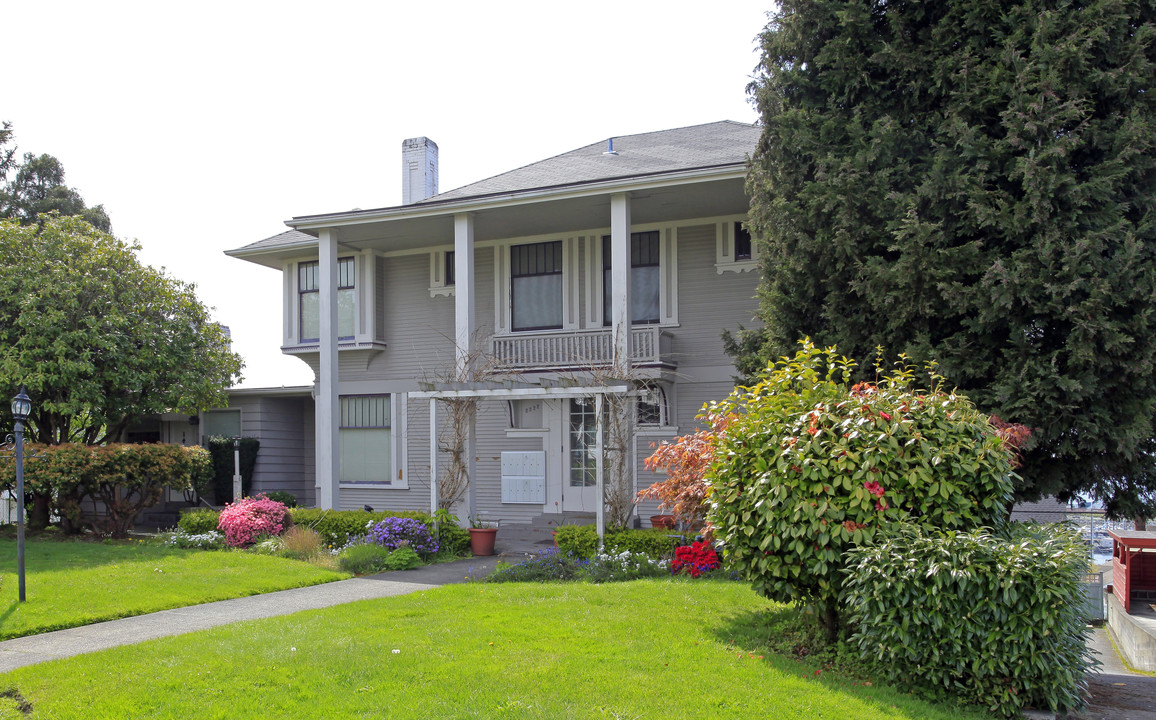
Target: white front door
pixel 579 481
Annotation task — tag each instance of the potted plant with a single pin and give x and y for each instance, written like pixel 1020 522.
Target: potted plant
pixel 662 521
pixel 482 536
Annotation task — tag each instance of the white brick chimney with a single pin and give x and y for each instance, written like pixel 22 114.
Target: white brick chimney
pixel 419 169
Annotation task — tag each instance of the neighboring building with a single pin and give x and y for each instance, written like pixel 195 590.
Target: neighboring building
pixel 628 258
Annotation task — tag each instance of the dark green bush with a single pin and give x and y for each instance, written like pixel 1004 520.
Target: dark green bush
pixel 582 541
pixel 554 565
pixel 364 559
pixel 403 558
pixel 454 540
pixel 221 449
pixel 336 526
pixel 198 521
pixel 994 620
pixel 287 499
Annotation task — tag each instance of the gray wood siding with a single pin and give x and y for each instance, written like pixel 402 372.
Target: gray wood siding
pixel 708 303
pixel 279 423
pixel 418 330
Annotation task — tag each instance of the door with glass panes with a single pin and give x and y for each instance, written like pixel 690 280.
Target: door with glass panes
pixel 580 483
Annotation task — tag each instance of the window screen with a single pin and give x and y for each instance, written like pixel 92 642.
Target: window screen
pixel 365 438
pixel 308 286
pixel 536 286
pixel 644 278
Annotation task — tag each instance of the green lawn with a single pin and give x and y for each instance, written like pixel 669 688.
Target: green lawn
pixel 667 648
pixel 78 583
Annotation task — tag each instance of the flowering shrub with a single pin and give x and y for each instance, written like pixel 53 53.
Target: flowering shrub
pixel 209 540
pixel 554 565
pixel 394 532
pixel 694 559
pixel 250 518
pixel 812 466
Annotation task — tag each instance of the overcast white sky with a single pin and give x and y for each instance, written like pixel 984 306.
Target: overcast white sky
pixel 203 126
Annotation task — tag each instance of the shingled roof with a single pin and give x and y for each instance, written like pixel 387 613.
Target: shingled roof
pixel 698 146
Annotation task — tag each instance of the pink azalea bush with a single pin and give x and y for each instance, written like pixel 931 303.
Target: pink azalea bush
pixel 250 518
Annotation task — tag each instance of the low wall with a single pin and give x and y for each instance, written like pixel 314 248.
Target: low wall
pixel 1133 636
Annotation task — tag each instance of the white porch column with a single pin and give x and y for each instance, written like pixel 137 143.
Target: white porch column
pixel 328 460
pixel 599 469
pixel 433 456
pixel 620 280
pixel 464 320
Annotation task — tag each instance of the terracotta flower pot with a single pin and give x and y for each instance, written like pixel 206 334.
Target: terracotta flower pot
pixel 662 521
pixel 482 540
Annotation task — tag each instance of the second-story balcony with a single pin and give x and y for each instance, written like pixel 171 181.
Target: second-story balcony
pixel 574 350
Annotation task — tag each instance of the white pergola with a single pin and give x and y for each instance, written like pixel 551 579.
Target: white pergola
pixel 544 390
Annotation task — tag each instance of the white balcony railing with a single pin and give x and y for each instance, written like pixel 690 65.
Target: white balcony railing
pixel 574 350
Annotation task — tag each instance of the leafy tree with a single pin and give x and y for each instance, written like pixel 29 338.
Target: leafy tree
pixel 975 181
pixel 38 188
pixel 810 466
pixel 98 338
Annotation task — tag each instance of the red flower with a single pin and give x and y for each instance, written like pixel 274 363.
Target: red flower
pixel 884 415
pixel 874 488
pixel 881 505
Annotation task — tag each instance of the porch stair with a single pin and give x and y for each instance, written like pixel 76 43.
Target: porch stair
pixel 553 521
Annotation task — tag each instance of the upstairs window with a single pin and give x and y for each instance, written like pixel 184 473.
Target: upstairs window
pixel 644 279
pixel 448 270
pixel 536 286
pixel 308 289
pixel 742 243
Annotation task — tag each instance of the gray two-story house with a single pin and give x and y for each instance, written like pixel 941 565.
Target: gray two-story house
pixel 608 271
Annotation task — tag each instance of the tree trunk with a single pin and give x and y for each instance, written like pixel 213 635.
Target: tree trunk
pixel 1141 524
pixel 39 512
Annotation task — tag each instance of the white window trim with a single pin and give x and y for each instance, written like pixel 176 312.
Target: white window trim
pixel 364 308
pixel 503 310
pixel 725 249
pixel 398 456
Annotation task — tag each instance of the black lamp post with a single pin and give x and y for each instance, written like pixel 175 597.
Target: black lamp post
pixel 21 409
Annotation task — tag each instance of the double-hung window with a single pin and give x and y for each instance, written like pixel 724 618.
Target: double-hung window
pixel 365 440
pixel 309 302
pixel 536 286
pixel 644 279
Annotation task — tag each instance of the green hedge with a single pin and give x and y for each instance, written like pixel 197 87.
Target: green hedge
pixel 221 448
pixel 582 541
pixel 997 621
pixel 336 526
pixel 198 521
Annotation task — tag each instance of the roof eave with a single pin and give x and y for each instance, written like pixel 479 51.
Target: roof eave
pixel 305 223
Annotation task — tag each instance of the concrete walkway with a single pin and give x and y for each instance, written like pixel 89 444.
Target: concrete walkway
pixel 126 631
pixel 1117 693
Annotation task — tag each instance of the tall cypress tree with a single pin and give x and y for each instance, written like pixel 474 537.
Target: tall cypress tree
pixel 974 181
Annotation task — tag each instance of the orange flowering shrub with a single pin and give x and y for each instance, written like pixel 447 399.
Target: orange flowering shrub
pixel 685 461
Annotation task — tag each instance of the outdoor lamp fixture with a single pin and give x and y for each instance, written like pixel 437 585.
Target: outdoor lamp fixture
pixel 21 409
pixel 237 468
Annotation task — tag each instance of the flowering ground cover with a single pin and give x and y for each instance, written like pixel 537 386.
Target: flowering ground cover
pixel 72 583
pixel 654 648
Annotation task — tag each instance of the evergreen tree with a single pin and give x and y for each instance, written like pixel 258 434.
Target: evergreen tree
pixel 975 181
pixel 38 188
